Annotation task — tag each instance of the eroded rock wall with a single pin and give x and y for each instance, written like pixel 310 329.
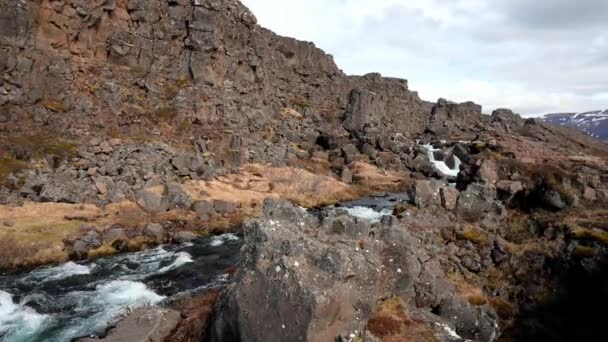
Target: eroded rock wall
pixel 90 67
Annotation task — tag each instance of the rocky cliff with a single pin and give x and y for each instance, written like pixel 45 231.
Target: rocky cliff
pixel 149 67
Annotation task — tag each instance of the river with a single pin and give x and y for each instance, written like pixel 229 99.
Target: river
pixel 61 303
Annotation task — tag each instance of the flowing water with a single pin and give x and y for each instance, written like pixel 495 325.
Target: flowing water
pixel 373 209
pixel 440 165
pixel 60 303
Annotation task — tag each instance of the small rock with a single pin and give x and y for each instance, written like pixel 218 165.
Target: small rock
pixel 92 171
pixel 347 176
pixel 476 200
pixel 554 200
pixel 114 234
pixel 94 142
pixel 79 251
pixel 203 208
pixel 149 324
pixel 589 194
pixel 155 231
pixel 92 239
pixel 150 201
pixel 120 245
pixel 106 147
pixel 9 223
pixel 182 237
pixel 224 207
pixel 461 152
pixel 101 187
pixel 149 175
pixel 174 197
pixel 449 198
pixel 115 142
pixel 487 172
pixel 426 193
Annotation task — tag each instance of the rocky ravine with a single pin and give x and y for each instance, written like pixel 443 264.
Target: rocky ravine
pixel 130 123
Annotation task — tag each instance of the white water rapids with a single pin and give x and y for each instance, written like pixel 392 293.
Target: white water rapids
pixel 441 166
pixel 60 303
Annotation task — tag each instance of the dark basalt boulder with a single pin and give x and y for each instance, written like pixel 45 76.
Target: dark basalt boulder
pixel 299 271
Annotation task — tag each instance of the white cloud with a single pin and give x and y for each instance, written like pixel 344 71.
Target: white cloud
pixel 500 53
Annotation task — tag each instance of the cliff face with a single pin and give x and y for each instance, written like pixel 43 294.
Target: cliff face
pixel 115 65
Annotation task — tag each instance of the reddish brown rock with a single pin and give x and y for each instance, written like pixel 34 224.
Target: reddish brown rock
pixel 487 172
pixel 449 198
pixel 589 194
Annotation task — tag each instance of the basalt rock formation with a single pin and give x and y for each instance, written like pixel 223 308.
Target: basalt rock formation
pixel 172 106
pixel 197 74
pixel 191 68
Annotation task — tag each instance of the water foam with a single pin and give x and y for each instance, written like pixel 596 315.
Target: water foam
pixel 220 240
pixel 109 302
pixel 17 322
pixel 63 271
pixel 182 259
pixel 368 214
pixel 441 166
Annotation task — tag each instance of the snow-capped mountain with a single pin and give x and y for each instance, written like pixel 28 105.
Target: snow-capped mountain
pixel 594 123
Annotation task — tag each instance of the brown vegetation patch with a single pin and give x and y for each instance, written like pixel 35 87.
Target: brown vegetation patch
pixel 40 229
pixel 391 323
pixel 56 106
pixel 256 182
pixel 504 309
pixel 16 151
pixel 473 234
pixel 373 178
pixel 473 294
pixel 8 166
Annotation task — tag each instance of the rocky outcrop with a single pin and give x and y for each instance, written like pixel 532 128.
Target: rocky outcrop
pixel 447 118
pixel 314 278
pixel 128 66
pixel 149 325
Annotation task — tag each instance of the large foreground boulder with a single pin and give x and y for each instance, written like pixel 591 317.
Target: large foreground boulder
pixel 305 277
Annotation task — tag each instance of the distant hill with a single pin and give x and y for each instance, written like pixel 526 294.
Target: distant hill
pixel 593 123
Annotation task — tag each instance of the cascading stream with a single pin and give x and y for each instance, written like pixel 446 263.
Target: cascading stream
pixel 60 303
pixel 441 166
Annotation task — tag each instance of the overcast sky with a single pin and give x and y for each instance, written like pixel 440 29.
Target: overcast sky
pixel 534 56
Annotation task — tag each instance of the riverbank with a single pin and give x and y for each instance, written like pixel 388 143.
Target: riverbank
pixel 35 234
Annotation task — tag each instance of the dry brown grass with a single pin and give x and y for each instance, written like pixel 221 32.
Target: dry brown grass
pixel 372 178
pixel 473 294
pixel 18 253
pixel 504 309
pixel 257 182
pixel 391 323
pixel 10 165
pixel 40 229
pixel 54 105
pixel 473 234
